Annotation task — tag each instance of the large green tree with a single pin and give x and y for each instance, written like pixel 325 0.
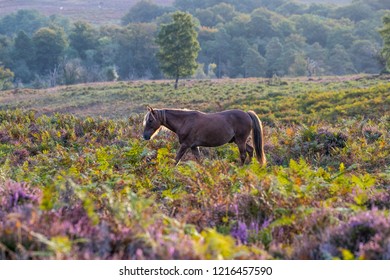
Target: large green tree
pixel 385 32
pixel 137 51
pixel 23 47
pixel 27 20
pixel 273 55
pixel 179 46
pixel 49 43
pixel 83 37
pixel 23 57
pixel 144 11
pixel 254 64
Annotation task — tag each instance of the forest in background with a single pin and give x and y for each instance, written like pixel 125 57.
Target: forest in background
pixel 248 38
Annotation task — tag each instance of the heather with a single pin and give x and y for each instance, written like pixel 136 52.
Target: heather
pixel 86 187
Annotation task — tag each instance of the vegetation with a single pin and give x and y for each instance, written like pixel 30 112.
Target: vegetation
pixel 6 76
pixel 237 38
pixel 89 188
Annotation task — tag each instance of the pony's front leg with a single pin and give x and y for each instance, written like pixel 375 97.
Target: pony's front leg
pixel 183 148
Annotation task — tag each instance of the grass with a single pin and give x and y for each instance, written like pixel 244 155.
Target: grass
pixel 294 99
pixel 76 185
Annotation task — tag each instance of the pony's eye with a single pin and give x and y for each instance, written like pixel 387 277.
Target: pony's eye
pixel 150 121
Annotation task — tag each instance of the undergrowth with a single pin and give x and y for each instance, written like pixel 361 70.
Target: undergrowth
pixel 90 188
pixel 74 185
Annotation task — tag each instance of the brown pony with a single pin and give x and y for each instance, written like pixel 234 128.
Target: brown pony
pixel 196 129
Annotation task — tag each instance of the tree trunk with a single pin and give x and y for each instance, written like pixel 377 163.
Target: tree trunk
pixel 176 82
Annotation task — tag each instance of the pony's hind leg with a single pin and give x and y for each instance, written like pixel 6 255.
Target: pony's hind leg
pixel 249 150
pixel 195 152
pixel 242 150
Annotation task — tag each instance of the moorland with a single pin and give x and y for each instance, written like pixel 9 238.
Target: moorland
pixel 78 182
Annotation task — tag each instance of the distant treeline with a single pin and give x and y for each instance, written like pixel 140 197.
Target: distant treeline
pixel 247 38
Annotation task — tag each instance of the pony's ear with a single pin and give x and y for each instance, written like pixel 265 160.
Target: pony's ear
pixel 150 109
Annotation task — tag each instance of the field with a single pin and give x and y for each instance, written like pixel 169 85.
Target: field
pixel 78 182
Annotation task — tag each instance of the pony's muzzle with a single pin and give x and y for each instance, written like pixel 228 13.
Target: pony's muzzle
pixel 146 136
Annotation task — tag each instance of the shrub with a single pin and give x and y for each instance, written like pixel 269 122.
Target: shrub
pixel 365 235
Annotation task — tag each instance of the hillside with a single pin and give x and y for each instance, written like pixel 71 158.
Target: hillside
pixel 283 99
pixel 94 11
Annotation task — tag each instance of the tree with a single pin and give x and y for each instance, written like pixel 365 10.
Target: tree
pixel 5 50
pixel 49 44
pixel 23 57
pixel 385 33
pixel 363 54
pixel 215 50
pixel 83 37
pixel 6 77
pixel 356 11
pixel 179 46
pixel 254 64
pixel 221 13
pixel 313 28
pixel 299 66
pixel 144 11
pixel 137 51
pixel 273 54
pixel 27 20
pixel 237 51
pixel 341 35
pixel 261 24
pixel 317 57
pixel 23 47
pixel 72 71
pixel 340 62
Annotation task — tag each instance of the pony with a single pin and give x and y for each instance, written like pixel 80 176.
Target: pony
pixel 197 129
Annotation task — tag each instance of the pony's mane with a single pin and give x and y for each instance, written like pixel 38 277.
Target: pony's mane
pixel 146 117
pixel 160 113
pixel 174 109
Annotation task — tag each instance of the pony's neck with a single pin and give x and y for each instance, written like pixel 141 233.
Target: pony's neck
pixel 174 118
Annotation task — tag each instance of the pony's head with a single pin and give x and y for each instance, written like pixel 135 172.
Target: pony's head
pixel 152 123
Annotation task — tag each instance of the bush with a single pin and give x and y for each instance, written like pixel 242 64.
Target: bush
pixel 366 236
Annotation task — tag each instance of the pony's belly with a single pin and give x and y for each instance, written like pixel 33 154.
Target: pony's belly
pixel 213 142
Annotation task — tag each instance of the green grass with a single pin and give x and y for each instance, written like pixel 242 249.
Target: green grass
pixel 287 100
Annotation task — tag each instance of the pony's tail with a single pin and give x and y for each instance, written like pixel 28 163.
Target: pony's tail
pixel 258 138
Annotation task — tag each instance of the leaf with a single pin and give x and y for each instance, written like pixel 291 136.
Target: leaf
pixel 347 255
